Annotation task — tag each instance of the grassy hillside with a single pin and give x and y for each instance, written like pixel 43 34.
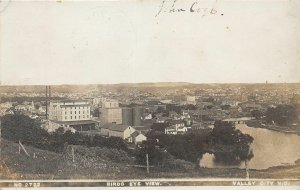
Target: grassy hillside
pixel 105 163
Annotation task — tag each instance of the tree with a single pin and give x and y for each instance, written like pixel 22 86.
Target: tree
pixel 189 147
pixel 190 107
pixel 96 112
pixel 20 127
pixel 283 115
pixel 155 155
pixel 257 114
pixel 159 126
pixel 160 110
pixel 111 142
pixel 225 107
pixel 37 105
pixel 229 144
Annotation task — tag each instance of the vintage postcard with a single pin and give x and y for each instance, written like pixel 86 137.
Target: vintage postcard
pixel 150 93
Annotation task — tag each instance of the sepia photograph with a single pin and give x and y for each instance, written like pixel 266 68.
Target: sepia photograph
pixel 156 93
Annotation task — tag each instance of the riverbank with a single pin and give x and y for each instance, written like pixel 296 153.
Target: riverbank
pixel 285 129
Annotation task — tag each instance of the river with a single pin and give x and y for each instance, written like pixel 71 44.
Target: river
pixel 270 148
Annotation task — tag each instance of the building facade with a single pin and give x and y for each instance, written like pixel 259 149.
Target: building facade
pixel 69 110
pixel 74 114
pixel 116 130
pixel 111 112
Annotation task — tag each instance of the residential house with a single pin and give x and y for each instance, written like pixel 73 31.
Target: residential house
pixel 177 127
pixel 162 119
pixel 137 137
pixel 117 130
pixel 170 130
pixel 182 130
pixel 177 123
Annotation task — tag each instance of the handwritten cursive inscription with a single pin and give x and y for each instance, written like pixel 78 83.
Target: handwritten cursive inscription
pixel 4 5
pixel 172 6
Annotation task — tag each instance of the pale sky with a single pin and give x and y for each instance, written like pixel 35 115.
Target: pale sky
pixel 76 42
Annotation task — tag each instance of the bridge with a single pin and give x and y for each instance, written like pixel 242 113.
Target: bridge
pixel 240 120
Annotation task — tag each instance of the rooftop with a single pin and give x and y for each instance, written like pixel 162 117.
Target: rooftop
pixel 115 127
pixel 81 122
pixel 68 101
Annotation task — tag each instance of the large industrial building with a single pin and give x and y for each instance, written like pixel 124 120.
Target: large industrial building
pixel 111 112
pixel 71 113
pixel 127 116
pixel 137 116
pixel 132 116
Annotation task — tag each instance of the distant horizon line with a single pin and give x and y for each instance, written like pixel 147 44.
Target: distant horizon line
pixel 141 83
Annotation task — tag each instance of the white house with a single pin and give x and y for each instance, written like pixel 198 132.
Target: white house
pixel 177 123
pixel 170 131
pixel 182 129
pixel 137 137
pixel 176 127
pixel 116 130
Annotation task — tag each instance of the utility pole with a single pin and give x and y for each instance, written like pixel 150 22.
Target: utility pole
pixel 73 156
pixel 147 160
pixel 49 89
pixel 246 165
pixel 247 169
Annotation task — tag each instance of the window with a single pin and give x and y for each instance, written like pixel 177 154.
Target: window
pixel 71 112
pixel 83 116
pixel 87 116
pixel 79 112
pixel 66 117
pixel 66 112
pixel 83 112
pixel 75 112
pixel 71 117
pixel 78 117
pixel 75 116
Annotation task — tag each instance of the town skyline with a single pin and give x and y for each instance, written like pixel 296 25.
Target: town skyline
pixel 183 128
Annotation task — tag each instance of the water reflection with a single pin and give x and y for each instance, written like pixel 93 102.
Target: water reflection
pixel 270 148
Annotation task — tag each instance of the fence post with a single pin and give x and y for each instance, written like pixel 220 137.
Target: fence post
pixel 147 160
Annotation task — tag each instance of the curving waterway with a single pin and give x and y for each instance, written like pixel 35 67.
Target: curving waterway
pixel 270 148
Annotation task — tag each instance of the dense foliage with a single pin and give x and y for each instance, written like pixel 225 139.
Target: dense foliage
pixel 159 126
pixel 257 114
pixel 283 115
pixel 229 144
pixel 189 147
pixel 22 128
pixel 155 155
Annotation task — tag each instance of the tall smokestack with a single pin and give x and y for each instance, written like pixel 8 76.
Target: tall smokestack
pixel 46 102
pixel 49 93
